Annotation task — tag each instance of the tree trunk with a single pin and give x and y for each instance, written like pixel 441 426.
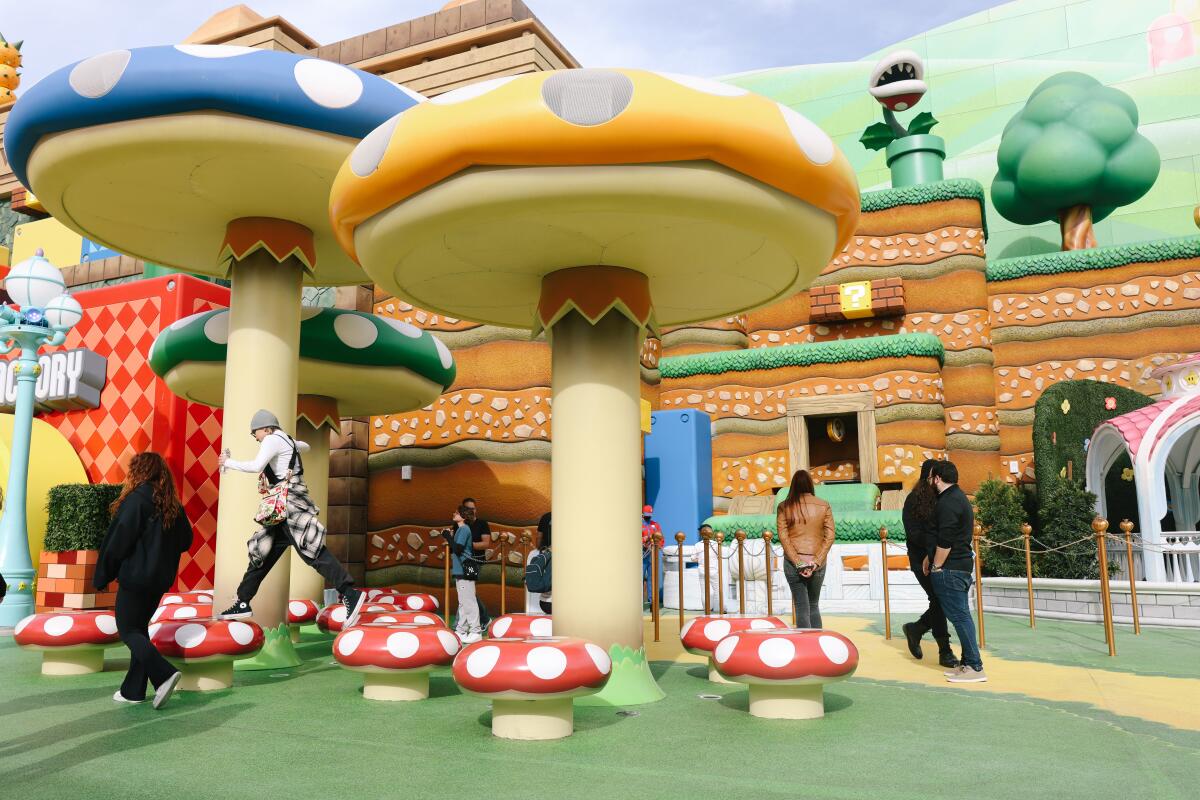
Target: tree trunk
pixel 1076 226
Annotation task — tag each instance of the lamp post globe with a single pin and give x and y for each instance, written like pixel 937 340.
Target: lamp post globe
pixel 34 282
pixel 63 312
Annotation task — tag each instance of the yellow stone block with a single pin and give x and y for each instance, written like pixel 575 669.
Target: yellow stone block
pixel 855 298
pixel 62 245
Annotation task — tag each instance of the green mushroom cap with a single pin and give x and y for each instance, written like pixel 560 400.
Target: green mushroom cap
pixel 368 364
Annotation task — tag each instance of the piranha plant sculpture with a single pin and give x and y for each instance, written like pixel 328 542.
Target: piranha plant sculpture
pixel 10 62
pixel 913 154
pixel 591 204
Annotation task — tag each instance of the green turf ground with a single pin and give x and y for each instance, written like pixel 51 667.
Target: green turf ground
pixel 307 733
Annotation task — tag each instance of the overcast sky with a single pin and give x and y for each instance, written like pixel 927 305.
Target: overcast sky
pixel 699 37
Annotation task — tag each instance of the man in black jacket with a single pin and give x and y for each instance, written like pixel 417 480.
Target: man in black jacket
pixel 951 568
pixel 919 523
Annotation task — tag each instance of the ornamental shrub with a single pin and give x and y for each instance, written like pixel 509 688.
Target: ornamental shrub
pixel 78 515
pixel 1001 512
pixel 1066 514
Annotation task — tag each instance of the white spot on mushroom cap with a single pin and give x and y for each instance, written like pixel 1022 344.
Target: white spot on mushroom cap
pixel 186 612
pixel 462 94
pixel 704 85
pixel 23 624
pixel 542 626
pixel 241 633
pixel 813 141
pixel 96 76
pixel 107 624
pixel 834 649
pixel 403 644
pixel 599 657
pixel 158 612
pixel 424 620
pixel 191 635
pixel 355 331
pixel 328 84
pixel 762 625
pixel 546 663
pixel 214 50
pixel 368 154
pixel 378 608
pixel 409 330
pixel 686 628
pixel 170 599
pixel 725 649
pixel 449 642
pixel 502 625
pixel 480 662
pixel 57 626
pixel 387 618
pixel 716 630
pixel 339 614
pixel 776 652
pixel 308 312
pixel 415 603
pixel 443 353
pixel 216 328
pixel 296 607
pixel 348 642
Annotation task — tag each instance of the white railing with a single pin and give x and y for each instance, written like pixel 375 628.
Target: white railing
pixel 1181 556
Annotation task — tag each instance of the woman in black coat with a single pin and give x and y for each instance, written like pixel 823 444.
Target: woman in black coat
pixel 148 534
pixel 919 534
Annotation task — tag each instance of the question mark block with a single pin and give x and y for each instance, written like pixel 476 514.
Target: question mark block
pixel 856 299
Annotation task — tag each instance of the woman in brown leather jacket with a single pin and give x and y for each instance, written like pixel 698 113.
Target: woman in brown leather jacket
pixel 805 526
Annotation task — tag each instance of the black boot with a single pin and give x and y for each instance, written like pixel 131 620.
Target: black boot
pixel 946 656
pixel 913 631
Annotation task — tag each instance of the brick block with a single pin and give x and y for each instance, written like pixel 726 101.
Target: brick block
pixel 357 544
pixel 54 570
pixel 373 43
pixel 82 601
pixel 398 37
pixel 358 519
pixel 347 463
pixel 87 556
pixel 338 544
pixel 348 491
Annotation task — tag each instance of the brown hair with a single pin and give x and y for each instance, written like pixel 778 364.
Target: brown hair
pixel 793 505
pixel 151 468
pixel 924 495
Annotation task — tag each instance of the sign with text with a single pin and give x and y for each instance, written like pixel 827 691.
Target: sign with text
pixel 69 380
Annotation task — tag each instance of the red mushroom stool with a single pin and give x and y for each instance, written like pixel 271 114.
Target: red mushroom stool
pixel 786 668
pixel 395 659
pixel 701 634
pixel 531 682
pixel 519 626
pixel 331 618
pixel 203 597
pixel 71 643
pixel 300 612
pixel 182 611
pixel 418 601
pixel 205 649
pixel 403 617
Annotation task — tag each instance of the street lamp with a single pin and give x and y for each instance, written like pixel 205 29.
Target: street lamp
pixel 45 315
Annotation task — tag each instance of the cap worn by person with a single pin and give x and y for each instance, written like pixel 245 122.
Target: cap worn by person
pixel 395 659
pixel 701 634
pixel 71 643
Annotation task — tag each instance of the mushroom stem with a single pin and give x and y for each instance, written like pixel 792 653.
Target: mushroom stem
pixel 305 583
pixel 76 661
pixel 596 494
pixel 714 675
pixel 396 686
pixel 261 372
pixel 206 676
pixel 787 701
pixel 552 718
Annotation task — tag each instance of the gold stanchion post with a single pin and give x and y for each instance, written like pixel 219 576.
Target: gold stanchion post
pixel 1100 527
pixel 1027 532
pixel 679 537
pixel 767 554
pixel 504 572
pixel 654 542
pixel 446 586
pixel 977 536
pixel 887 603
pixel 705 537
pixel 1127 529
pixel 720 574
pixel 741 549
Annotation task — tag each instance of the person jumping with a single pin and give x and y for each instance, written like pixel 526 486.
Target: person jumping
pixel 279 460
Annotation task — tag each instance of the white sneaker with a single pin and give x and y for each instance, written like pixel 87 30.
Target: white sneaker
pixel 120 698
pixel 471 638
pixel 164 692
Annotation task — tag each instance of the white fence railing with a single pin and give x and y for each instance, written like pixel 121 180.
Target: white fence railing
pixel 1177 555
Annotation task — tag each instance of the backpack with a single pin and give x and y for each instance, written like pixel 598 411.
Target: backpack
pixel 537 573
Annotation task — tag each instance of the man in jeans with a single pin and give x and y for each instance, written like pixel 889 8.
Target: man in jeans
pixel 951 568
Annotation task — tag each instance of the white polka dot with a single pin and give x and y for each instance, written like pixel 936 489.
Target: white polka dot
pixel 153 629
pixel 725 649
pixel 208 592
pixel 415 603
pixel 546 663
pixel 704 85
pixel 387 618
pixel 190 635
pixel 449 642
pixel 214 50
pixel 184 612
pixel 297 608
pixel 339 614
pixel 683 633
pixel 57 626
pixel 171 600
pixel 541 626
pixel 470 92
pixel 411 331
pixel 216 328
pixel 241 633
pixel 348 642
pixel 107 624
pixel 716 630
pixel 377 608
pixel 158 612
pixel 443 353
pixel 368 154
pixel 308 312
pixel 599 657
pixel 403 644
pixel 815 143
pixel 424 620
pixel 23 623
pixel 502 625
pixel 96 76
pixel 834 649
pixel 355 331
pixel 761 625
pixel 481 661
pixel 328 84
pixel 776 652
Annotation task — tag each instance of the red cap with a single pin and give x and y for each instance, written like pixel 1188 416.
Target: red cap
pixel 647 510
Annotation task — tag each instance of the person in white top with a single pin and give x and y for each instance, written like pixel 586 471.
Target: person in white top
pixel 279 461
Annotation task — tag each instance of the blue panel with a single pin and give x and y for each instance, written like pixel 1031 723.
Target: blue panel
pixel 679 471
pixel 94 251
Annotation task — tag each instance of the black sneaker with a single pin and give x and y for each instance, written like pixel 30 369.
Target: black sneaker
pixel 913 634
pixel 353 600
pixel 239 610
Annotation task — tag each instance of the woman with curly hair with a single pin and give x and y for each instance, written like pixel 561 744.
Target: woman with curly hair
pixel 147 535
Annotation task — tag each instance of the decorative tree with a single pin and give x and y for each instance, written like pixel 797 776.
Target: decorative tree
pixel 1066 514
pixel 1072 154
pixel 10 61
pixel 1001 508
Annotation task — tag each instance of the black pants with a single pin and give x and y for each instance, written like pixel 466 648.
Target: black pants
pixel 806 594
pixel 545 604
pixel 934 619
pixel 134 610
pixel 330 568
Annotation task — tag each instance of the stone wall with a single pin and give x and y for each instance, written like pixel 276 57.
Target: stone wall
pixel 1171 604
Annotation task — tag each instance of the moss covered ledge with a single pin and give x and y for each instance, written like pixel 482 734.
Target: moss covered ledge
pixel 954 189
pixel 1120 255
pixel 842 351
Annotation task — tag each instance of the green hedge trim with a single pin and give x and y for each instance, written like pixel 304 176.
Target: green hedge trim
pixel 78 515
pixel 953 189
pixel 899 345
pixel 849 527
pixel 1009 269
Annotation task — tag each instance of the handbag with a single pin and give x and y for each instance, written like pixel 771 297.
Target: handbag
pixel 272 505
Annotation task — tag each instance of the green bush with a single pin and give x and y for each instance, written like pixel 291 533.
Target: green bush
pixel 1001 513
pixel 1059 436
pixel 1066 514
pixel 78 515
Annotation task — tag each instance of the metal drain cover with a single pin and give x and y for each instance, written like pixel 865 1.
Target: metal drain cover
pixel 709 696
pixel 629 713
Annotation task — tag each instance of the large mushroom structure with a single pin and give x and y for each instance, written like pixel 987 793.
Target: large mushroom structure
pixel 592 204
pixel 216 160
pixel 352 364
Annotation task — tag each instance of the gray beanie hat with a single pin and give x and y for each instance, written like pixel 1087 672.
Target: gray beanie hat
pixel 263 419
